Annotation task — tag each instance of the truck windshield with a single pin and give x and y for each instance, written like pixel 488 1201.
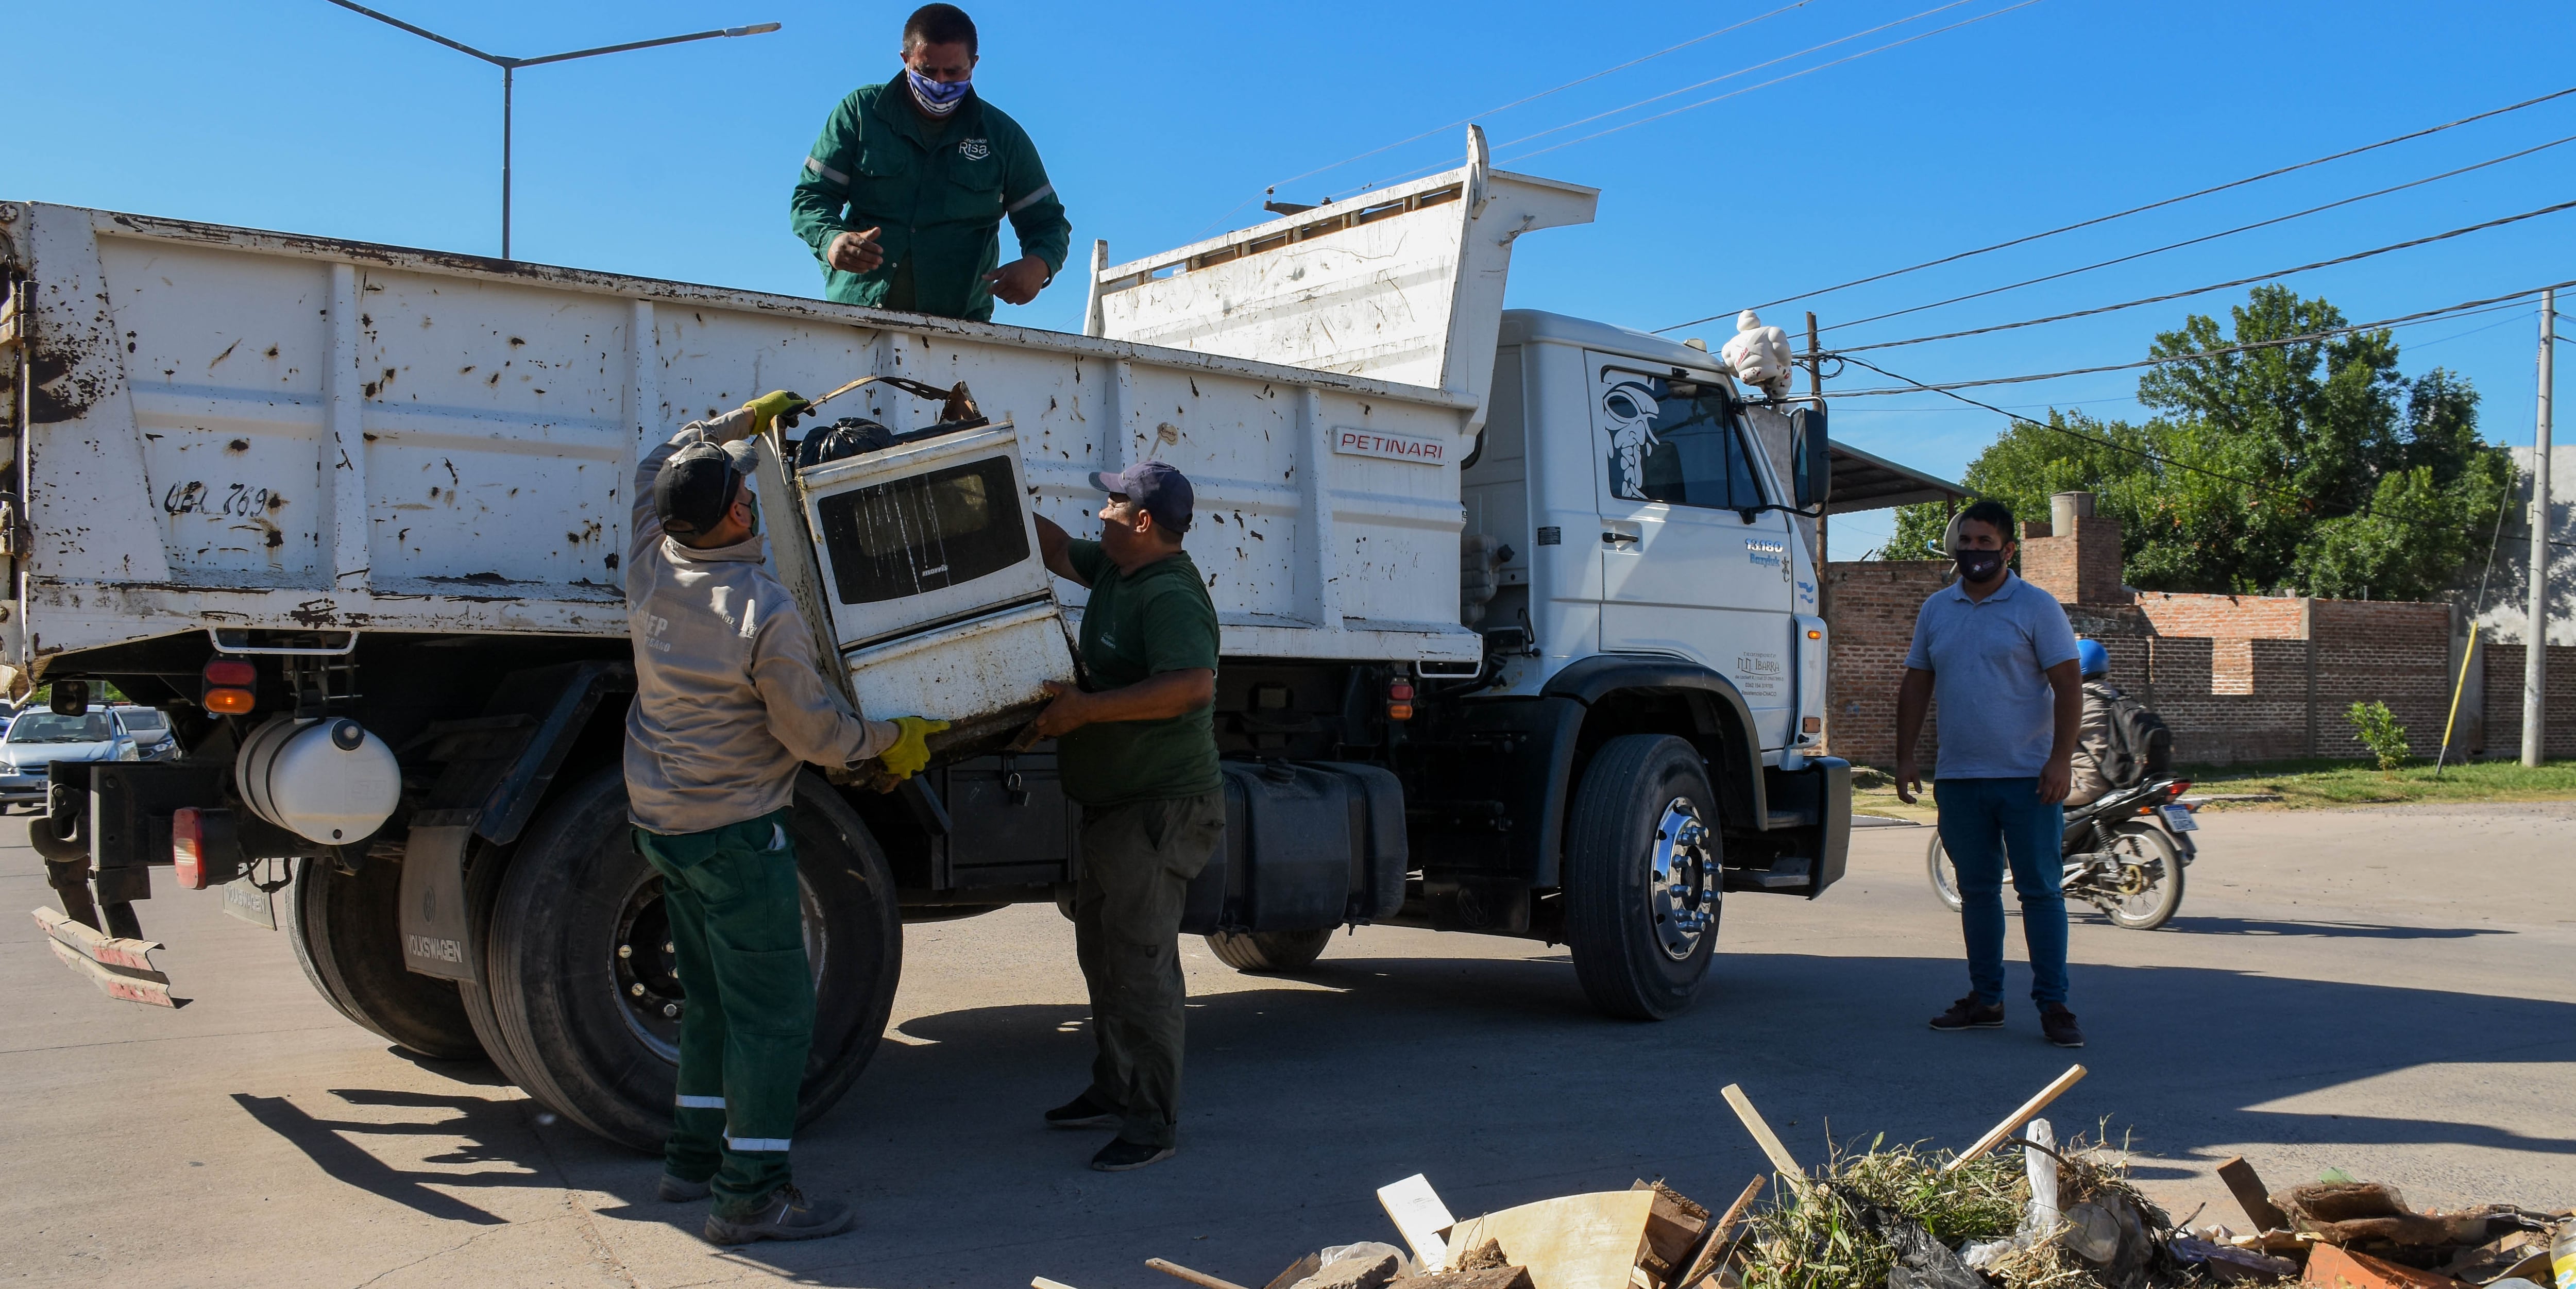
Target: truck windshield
pixel 47 727
pixel 1687 451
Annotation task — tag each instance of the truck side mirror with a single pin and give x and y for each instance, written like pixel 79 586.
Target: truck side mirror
pixel 1814 464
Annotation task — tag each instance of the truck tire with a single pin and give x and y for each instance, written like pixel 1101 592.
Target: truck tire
pixel 486 866
pixel 1642 877
pixel 346 937
pixel 1269 952
pixel 576 892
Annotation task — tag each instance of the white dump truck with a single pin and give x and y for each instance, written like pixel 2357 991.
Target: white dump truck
pixel 1519 611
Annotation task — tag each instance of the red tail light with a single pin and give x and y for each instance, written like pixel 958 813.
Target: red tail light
pixel 1399 700
pixel 188 848
pixel 2177 787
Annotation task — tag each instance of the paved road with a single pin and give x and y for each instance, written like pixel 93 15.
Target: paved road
pixel 2385 991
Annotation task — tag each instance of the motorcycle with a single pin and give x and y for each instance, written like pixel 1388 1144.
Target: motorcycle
pixel 2124 854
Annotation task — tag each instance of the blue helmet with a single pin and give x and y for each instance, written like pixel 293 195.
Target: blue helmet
pixel 2092 658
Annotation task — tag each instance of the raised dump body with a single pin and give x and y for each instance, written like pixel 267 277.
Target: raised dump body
pixel 240 429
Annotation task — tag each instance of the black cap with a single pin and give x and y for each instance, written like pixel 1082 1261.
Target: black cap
pixel 695 489
pixel 1156 488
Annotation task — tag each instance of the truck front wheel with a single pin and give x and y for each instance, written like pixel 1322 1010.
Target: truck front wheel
pixel 1269 952
pixel 1642 880
pixel 579 973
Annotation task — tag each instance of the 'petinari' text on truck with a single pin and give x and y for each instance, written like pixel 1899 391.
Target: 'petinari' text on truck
pixel 1519 612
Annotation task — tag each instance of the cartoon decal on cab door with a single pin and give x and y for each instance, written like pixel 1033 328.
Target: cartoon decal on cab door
pixel 1632 411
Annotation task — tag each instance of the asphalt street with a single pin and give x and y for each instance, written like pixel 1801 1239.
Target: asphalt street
pixel 2386 991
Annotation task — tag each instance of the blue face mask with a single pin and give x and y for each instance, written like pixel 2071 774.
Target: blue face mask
pixel 938 98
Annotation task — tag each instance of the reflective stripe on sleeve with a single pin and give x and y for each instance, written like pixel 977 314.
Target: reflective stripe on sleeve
pixel 687 1102
pixel 826 171
pixel 778 1144
pixel 1044 191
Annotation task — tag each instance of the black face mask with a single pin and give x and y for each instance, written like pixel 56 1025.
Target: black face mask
pixel 1978 566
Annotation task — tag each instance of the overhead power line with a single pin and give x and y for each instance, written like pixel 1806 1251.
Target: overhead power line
pixel 2133 210
pixel 2463 309
pixel 2208 237
pixel 1741 71
pixel 2214 286
pixel 2360 510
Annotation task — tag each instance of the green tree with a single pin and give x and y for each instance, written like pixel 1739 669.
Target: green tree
pixel 2316 431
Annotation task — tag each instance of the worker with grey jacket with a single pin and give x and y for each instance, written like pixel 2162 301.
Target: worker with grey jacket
pixel 730 705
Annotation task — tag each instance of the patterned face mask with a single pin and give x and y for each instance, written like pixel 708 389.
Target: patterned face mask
pixel 938 98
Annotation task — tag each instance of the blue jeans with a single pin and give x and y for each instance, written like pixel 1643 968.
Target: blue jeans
pixel 1983 821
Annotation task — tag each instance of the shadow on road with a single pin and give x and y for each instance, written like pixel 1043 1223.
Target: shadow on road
pixel 2327 930
pixel 494 1132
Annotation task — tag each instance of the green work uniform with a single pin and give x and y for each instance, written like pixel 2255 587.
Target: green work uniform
pixel 1153 811
pixel 936 191
pixel 738 948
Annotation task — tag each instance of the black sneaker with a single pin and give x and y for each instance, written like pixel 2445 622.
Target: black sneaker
pixel 785 1215
pixel 2059 1024
pixel 1968 1013
pixel 1123 1155
pixel 1081 1112
pixel 680 1190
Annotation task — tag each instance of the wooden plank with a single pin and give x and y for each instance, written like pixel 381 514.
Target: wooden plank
pixel 1712 1244
pixel 2250 1196
pixel 1200 1278
pixel 1420 1216
pixel 2012 1122
pixel 1572 1242
pixel 1762 1134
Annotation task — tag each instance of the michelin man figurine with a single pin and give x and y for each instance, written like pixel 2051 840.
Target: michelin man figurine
pixel 1758 355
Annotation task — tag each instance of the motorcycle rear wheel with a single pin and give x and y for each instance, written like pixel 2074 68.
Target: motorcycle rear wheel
pixel 1945 879
pixel 2150 888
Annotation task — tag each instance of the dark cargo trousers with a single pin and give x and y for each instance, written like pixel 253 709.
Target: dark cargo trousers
pixel 738 937
pixel 1137 862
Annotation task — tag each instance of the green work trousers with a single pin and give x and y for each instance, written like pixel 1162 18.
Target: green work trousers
pixel 738 939
pixel 1137 862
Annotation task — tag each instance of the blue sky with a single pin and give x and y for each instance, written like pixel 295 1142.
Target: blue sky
pixel 1163 122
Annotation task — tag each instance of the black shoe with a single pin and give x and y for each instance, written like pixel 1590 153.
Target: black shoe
pixel 680 1190
pixel 1122 1155
pixel 785 1215
pixel 2059 1024
pixel 1968 1013
pixel 1081 1112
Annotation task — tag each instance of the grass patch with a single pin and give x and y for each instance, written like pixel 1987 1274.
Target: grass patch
pixel 2358 783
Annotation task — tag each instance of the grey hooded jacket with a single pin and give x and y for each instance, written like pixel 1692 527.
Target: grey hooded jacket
pixel 729 696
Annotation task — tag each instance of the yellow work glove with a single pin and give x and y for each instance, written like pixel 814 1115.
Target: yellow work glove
pixel 912 751
pixel 775 407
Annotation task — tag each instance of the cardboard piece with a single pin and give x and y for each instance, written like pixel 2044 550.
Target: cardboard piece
pixel 1573 1242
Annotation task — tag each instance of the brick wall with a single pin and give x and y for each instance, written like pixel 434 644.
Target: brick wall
pixel 1873 607
pixel 2237 677
pixel 2504 703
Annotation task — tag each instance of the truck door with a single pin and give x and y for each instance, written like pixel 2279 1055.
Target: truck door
pixel 1691 565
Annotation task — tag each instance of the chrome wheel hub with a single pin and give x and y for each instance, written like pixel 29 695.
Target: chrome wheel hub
pixel 1682 885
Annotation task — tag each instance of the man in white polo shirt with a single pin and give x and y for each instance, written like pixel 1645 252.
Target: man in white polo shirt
pixel 2000 656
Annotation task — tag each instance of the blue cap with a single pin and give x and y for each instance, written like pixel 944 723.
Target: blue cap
pixel 1156 488
pixel 2092 659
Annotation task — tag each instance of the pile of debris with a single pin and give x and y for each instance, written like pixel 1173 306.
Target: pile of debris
pixel 1899 1217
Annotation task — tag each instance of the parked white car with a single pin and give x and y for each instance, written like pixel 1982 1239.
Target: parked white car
pixel 38 738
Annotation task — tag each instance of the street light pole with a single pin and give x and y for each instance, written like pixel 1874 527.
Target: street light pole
pixel 509 72
pixel 2535 636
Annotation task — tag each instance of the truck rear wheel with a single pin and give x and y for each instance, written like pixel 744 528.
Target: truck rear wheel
pixel 579 975
pixel 346 937
pixel 1269 952
pixel 1642 880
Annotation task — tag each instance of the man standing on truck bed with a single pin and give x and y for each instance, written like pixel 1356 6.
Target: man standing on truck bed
pixel 1138 751
pixel 904 194
pixel 1999 655
pixel 729 706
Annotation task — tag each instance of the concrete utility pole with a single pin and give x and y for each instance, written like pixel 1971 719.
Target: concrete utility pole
pixel 2535 647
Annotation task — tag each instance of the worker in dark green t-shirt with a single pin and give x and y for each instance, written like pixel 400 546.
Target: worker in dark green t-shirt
pixel 1137 747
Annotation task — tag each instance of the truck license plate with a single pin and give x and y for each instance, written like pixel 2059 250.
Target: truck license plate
pixel 2180 818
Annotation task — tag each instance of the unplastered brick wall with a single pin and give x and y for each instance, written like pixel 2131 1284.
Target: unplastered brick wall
pixel 2237 677
pixel 2504 703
